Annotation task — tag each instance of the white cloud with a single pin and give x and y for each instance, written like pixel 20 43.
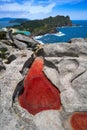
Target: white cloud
pixel 27 7
pixel 32 9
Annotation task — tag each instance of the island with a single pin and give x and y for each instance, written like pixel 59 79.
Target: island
pixel 43 26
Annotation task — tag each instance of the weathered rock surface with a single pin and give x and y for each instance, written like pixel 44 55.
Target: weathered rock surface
pixel 20 45
pixel 2 67
pixel 25 39
pixel 66 67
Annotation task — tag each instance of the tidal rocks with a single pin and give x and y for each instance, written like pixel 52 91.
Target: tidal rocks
pixel 39 94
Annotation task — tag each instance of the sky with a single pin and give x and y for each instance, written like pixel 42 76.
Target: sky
pixel 39 9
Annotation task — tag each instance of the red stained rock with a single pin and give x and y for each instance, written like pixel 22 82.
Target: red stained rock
pixel 39 94
pixel 79 121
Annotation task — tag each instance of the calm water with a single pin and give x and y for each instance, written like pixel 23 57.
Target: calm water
pixel 6 23
pixel 66 33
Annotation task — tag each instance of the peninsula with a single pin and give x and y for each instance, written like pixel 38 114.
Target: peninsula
pixel 43 26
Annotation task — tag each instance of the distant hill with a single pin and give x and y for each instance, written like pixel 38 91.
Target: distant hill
pixel 7 19
pixel 47 25
pixel 18 20
pixel 4 22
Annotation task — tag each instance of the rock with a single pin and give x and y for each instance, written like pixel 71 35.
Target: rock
pixel 74 40
pixel 59 50
pixel 8 80
pixel 48 120
pixel 7 42
pixel 9 35
pixel 26 39
pixel 20 45
pixel 2 67
pixel 3 47
pixel 65 66
pixel 11 58
pixel 64 49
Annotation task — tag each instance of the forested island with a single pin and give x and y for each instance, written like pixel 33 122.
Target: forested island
pixel 43 26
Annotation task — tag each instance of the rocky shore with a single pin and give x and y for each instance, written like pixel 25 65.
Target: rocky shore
pixel 65 66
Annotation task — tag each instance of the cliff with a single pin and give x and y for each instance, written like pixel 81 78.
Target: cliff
pixel 47 25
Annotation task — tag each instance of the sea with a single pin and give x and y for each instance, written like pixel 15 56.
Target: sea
pixel 78 30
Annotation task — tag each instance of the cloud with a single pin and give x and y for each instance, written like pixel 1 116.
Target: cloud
pixel 32 8
pixel 27 7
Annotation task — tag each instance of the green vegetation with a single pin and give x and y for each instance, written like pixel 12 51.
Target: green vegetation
pixel 48 25
pixel 18 20
pixel 2 35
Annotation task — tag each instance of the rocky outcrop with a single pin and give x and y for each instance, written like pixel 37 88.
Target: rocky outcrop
pixel 2 67
pixel 65 66
pixel 15 42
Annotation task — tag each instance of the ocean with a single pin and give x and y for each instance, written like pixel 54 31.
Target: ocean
pixel 66 33
pixel 5 23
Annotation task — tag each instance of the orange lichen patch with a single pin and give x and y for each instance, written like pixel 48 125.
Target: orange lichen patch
pixel 39 93
pixel 79 121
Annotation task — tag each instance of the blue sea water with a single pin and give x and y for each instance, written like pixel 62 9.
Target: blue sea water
pixel 66 33
pixel 6 24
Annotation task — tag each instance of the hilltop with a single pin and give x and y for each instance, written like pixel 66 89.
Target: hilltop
pixel 47 25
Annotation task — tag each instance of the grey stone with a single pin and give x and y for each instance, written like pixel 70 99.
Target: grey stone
pixel 8 81
pixel 80 86
pixel 9 35
pixel 3 47
pixel 65 65
pixel 74 40
pixel 64 49
pixel 48 120
pixel 11 58
pixel 25 39
pixel 2 67
pixel 59 50
pixel 20 45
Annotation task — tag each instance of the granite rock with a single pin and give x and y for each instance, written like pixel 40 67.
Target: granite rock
pixel 66 67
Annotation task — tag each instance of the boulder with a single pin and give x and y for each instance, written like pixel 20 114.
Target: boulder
pixel 25 39
pixel 20 45
pixel 74 40
pixel 3 47
pixel 64 49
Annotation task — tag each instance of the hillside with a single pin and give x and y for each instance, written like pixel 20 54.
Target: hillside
pixel 47 25
pixel 18 20
pixel 8 22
